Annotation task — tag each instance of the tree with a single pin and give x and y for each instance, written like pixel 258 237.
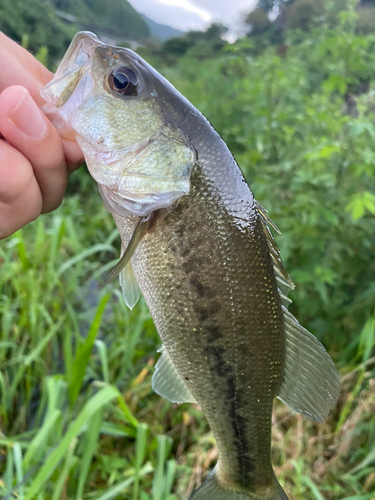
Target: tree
pixel 259 22
pixel 204 43
pixel 366 18
pixel 302 14
pixel 36 20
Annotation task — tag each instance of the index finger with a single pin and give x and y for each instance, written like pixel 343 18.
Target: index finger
pixel 22 69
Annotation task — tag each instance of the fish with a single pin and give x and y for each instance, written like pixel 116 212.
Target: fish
pixel 198 246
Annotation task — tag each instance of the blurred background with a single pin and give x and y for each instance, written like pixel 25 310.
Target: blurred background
pixel 290 86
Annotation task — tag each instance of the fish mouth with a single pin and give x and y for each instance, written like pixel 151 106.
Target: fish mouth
pixel 71 84
pixel 74 64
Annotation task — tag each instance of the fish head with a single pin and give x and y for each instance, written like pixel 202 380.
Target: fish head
pixel 127 120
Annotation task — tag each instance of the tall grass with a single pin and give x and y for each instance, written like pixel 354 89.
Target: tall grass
pixel 72 366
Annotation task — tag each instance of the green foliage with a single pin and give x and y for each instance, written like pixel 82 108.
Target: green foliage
pixel 199 44
pixel 36 20
pixel 303 13
pixel 366 19
pixel 65 368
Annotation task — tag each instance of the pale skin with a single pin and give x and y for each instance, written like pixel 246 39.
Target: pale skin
pixel 34 161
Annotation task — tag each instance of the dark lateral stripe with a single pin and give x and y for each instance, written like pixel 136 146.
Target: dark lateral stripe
pixel 238 423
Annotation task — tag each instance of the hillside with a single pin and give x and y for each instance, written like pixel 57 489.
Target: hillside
pixel 161 31
pixel 117 17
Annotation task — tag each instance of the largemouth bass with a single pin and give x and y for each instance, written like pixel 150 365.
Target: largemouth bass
pixel 199 248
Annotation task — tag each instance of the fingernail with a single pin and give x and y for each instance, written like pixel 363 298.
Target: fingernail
pixel 27 117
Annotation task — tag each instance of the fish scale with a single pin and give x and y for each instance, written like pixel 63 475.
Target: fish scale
pixel 198 246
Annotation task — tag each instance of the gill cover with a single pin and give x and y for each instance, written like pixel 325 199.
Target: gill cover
pixel 119 110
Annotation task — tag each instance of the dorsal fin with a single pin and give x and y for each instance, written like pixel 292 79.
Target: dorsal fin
pixel 310 383
pixel 281 274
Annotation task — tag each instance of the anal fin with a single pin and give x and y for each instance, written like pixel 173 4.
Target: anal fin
pixel 167 382
pixel 311 382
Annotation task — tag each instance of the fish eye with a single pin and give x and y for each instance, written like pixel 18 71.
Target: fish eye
pixel 123 81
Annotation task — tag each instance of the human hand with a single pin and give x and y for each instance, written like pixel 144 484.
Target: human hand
pixel 34 161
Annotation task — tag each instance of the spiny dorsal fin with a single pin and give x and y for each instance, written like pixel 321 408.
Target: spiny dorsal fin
pixel 281 275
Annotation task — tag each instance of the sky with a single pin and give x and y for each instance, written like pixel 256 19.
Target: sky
pixel 194 14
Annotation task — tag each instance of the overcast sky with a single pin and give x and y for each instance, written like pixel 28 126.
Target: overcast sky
pixel 194 14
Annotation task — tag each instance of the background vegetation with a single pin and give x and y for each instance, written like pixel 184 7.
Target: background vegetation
pixel 295 103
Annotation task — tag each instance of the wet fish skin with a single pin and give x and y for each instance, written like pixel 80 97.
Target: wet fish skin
pixel 208 280
pixel 207 268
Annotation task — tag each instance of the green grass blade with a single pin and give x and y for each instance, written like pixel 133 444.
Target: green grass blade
pixel 37 446
pixel 140 450
pixel 90 444
pixel 370 458
pixel 64 474
pixel 17 452
pixel 158 487
pixel 83 255
pixel 103 355
pixel 103 397
pixel 313 488
pixel 84 351
pixel 170 475
pixel 9 476
pixel 118 489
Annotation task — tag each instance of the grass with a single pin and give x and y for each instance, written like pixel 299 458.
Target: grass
pixel 78 417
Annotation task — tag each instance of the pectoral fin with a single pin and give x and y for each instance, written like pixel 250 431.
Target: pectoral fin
pixel 311 382
pixel 140 231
